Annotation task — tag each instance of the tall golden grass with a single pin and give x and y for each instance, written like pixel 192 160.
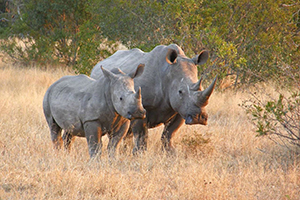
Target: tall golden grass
pixel 223 160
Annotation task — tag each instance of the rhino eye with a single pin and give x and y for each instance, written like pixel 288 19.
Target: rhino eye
pixel 121 98
pixel 180 92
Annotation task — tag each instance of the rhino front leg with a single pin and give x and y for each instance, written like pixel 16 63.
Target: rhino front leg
pixel 127 143
pixel 170 128
pixel 93 134
pixel 140 134
pixel 115 137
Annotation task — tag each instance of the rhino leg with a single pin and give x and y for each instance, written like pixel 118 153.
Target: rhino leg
pixel 170 128
pixel 140 134
pixel 68 139
pixel 55 132
pixel 127 144
pixel 93 134
pixel 115 137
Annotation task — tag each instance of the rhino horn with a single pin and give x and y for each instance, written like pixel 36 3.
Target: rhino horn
pixel 138 95
pixel 205 94
pixel 197 86
pixel 171 56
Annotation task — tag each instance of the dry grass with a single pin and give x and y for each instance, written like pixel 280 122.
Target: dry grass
pixel 223 160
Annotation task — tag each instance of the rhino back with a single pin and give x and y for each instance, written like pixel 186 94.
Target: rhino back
pixel 128 60
pixel 150 81
pixel 68 99
pixel 123 59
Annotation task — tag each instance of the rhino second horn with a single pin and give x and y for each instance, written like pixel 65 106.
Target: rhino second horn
pixel 197 86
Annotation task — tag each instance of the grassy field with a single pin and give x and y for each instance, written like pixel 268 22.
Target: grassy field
pixel 223 160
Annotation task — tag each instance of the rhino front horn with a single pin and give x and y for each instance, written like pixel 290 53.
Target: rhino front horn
pixel 138 95
pixel 208 91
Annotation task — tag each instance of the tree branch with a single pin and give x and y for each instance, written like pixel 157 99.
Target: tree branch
pixel 289 5
pixel 4 19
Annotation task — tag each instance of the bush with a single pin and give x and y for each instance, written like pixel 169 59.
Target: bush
pixel 247 40
pixel 52 32
pixel 278 117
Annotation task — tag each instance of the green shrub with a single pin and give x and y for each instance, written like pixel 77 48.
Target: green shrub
pixel 247 40
pixel 52 32
pixel 277 118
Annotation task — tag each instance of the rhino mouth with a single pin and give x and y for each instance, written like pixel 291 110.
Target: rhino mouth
pixel 136 115
pixel 196 119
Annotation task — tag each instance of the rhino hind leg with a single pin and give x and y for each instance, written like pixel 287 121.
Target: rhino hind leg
pixel 67 139
pixel 55 131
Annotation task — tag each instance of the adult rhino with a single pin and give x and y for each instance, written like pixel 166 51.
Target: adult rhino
pixel 171 91
pixel 91 108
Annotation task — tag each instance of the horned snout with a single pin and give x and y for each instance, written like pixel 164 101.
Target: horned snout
pixel 197 119
pixel 138 114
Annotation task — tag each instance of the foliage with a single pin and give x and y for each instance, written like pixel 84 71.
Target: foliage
pixel 145 24
pixel 54 32
pixel 248 40
pixel 279 116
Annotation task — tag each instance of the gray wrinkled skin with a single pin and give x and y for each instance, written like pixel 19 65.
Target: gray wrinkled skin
pixel 171 91
pixel 85 107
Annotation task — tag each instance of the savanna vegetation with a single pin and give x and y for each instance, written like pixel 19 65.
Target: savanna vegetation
pixel 254 50
pixel 223 160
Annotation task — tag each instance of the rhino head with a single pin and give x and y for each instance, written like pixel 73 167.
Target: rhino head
pixel 125 100
pixel 186 94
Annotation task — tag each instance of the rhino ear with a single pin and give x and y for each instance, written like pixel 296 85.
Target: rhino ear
pixel 117 71
pixel 108 74
pixel 201 58
pixel 138 72
pixel 171 56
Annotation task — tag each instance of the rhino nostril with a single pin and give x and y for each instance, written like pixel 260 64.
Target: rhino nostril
pixel 189 119
pixel 204 116
pixel 129 115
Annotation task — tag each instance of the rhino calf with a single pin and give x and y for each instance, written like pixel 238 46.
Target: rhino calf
pixel 85 107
